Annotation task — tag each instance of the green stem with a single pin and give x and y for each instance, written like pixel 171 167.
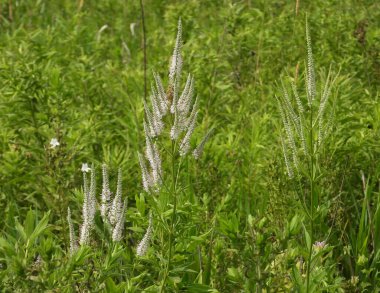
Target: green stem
pixel 144 46
pixel 173 219
pixel 311 200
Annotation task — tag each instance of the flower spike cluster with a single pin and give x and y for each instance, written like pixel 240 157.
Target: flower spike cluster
pixel 299 119
pixel 112 212
pixel 183 111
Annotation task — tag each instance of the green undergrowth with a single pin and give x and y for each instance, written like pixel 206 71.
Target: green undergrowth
pixel 74 70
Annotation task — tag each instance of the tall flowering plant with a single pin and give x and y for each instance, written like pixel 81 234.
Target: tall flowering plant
pixel 307 124
pixel 170 120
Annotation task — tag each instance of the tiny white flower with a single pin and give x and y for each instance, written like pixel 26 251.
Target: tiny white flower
pixel 54 143
pixel 85 168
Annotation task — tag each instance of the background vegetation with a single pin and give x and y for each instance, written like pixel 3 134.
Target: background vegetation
pixel 74 70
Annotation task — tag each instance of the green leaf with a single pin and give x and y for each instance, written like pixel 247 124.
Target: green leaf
pixel 30 222
pixel 111 286
pixel 200 288
pixel 307 239
pixel 41 226
pixel 140 203
pixel 298 280
pixel 21 231
pixel 294 223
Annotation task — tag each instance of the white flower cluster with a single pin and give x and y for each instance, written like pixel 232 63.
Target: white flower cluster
pixel 111 212
pixel 295 119
pixel 85 168
pixel 183 111
pixel 54 143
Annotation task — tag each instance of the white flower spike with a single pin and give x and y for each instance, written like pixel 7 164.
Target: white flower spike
pixel 73 241
pixel 143 246
pixel 106 194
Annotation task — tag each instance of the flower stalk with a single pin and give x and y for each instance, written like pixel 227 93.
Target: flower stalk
pixel 305 132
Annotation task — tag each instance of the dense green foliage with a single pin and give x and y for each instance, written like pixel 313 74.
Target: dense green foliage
pixel 74 70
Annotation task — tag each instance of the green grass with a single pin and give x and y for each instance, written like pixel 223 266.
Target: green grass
pixel 76 73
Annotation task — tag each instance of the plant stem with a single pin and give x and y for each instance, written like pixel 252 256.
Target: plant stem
pixel 144 45
pixel 173 219
pixel 311 200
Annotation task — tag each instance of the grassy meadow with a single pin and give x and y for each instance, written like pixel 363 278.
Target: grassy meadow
pixel 106 183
